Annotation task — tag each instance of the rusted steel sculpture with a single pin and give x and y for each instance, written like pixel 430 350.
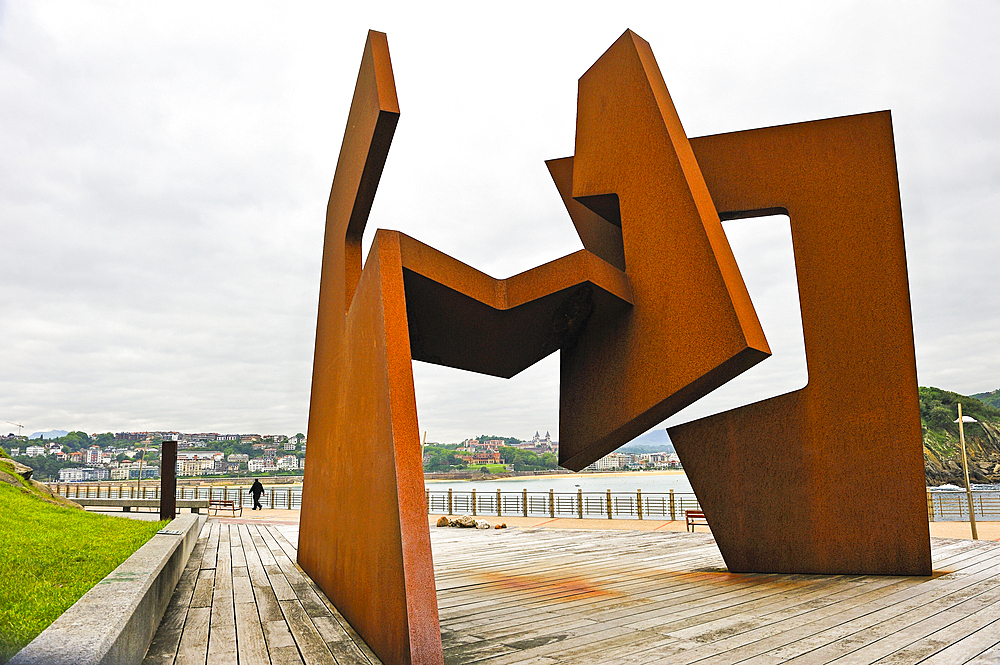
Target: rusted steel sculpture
pixel 829 478
pixel 649 317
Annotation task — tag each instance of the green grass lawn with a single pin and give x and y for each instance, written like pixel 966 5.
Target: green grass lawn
pixel 50 556
pixel 494 468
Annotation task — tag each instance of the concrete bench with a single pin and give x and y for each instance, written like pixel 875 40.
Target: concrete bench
pixel 127 504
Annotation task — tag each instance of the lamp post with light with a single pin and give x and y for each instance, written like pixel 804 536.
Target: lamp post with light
pixel 965 465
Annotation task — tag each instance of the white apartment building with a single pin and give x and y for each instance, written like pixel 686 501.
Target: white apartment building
pixel 610 462
pixel 81 474
pixel 261 464
pixel 34 451
pixel 288 463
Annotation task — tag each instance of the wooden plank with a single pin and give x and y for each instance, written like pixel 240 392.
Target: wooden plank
pixel 967 647
pixel 989 657
pixel 263 551
pixel 224 561
pixel 282 589
pixel 267 604
pixel 193 648
pixel 294 576
pixel 242 590
pixel 311 646
pixel 222 638
pixel 343 648
pixel 211 547
pixel 204 589
pixel 251 646
pixel 254 568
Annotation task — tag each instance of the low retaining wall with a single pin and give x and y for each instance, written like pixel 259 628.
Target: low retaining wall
pixel 125 504
pixel 115 621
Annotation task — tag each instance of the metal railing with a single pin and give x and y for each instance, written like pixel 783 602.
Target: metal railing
pixel 941 506
pixel 954 506
pixel 275 497
pixel 607 504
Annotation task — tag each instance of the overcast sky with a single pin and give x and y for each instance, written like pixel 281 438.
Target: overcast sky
pixel 165 168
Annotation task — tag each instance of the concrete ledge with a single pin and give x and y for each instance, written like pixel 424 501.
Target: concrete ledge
pixel 126 504
pixel 115 621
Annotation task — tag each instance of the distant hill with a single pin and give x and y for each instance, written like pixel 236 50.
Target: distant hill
pixel 656 441
pixel 942 448
pixel 989 399
pixel 51 434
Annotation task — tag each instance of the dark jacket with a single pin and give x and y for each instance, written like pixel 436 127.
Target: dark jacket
pixel 256 489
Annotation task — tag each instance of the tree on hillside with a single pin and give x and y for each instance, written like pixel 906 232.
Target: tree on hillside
pixel 939 409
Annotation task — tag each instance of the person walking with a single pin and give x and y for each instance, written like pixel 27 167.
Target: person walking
pixel 255 491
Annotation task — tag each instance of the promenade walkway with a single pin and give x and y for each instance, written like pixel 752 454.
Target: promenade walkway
pixel 242 599
pixel 552 593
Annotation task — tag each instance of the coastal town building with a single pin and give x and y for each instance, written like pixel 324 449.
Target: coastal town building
pixel 83 474
pixel 261 464
pixel 119 461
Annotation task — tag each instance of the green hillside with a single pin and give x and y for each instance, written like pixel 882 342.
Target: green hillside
pixel 990 398
pixel 942 448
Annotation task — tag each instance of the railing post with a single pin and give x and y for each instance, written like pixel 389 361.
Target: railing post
pixel 427 500
pixel 473 503
pixel 930 506
pixel 609 504
pixel 579 503
pixel 552 504
pixel 638 499
pixel 673 511
pixel 498 503
pixel 524 501
pixel 450 504
pixel 272 498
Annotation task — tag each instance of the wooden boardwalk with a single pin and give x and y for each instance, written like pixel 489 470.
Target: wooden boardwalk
pixel 546 596
pixel 561 596
pixel 242 599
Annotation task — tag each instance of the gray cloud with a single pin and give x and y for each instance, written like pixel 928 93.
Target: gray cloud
pixel 165 171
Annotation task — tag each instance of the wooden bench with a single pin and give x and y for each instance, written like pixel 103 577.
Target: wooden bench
pixel 695 518
pixel 219 504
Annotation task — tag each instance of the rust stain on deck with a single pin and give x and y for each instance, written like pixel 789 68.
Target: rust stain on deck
pixel 578 587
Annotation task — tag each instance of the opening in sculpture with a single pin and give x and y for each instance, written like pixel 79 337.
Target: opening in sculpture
pixel 649 317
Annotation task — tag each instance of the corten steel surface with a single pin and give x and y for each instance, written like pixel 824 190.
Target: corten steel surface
pixel 650 316
pixel 777 477
pixel 692 327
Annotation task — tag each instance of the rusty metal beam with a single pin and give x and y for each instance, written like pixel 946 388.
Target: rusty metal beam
pixel 693 327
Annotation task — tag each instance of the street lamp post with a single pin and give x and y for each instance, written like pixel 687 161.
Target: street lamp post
pixel 965 464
